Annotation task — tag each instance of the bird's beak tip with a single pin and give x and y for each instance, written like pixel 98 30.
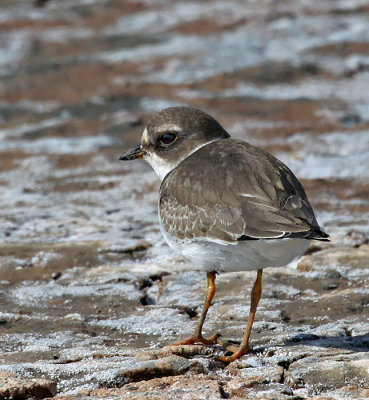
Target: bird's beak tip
pixel 132 154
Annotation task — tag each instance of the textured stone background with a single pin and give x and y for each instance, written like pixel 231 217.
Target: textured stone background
pixel 89 293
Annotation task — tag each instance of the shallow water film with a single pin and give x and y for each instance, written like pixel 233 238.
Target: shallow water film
pixel 89 291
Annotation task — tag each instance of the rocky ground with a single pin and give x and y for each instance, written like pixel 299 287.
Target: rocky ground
pixel 90 296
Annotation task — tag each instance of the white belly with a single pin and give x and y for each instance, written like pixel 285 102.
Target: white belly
pixel 246 255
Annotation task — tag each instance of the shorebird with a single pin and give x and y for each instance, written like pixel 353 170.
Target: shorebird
pixel 224 204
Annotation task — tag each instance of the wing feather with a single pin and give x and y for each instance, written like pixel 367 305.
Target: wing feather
pixel 260 197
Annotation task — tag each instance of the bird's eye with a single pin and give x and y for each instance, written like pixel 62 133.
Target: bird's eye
pixel 167 138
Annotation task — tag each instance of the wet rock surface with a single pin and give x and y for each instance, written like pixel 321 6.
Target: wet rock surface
pixel 89 293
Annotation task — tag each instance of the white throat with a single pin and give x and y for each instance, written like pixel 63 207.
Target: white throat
pixel 162 167
pixel 159 165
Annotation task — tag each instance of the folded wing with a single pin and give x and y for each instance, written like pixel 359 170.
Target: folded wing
pixel 233 191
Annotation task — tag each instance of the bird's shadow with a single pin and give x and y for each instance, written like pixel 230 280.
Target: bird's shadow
pixel 359 343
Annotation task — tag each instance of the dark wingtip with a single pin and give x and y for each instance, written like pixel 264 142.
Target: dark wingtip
pixel 245 237
pixel 322 236
pixel 310 235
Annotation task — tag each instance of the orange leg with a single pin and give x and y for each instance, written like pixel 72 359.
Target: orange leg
pixel 197 337
pixel 244 346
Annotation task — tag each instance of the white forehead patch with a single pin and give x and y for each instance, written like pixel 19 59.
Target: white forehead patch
pixel 145 137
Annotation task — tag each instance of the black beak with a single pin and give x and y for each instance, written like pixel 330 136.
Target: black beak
pixel 132 154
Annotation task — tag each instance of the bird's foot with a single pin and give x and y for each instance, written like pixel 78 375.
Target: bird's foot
pixel 198 338
pixel 239 352
pixel 228 346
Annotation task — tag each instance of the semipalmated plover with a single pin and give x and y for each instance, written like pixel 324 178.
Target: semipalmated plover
pixel 224 204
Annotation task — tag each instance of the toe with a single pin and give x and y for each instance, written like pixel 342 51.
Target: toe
pixel 198 339
pixel 228 359
pixel 228 346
